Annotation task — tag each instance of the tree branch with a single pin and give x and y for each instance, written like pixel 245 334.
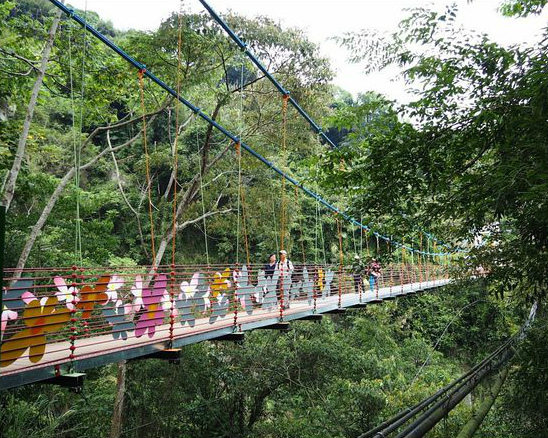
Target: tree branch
pixel 122 192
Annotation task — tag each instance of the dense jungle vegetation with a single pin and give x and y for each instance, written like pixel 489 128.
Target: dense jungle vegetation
pixel 467 159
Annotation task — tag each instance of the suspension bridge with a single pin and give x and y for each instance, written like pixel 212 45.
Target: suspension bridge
pixel 70 320
pixel 58 322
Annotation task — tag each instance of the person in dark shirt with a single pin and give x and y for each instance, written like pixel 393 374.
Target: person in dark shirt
pixel 374 275
pixel 270 267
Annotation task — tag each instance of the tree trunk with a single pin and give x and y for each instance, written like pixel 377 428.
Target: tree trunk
pixel 474 423
pixel 186 199
pixel 116 424
pixel 9 188
pixel 37 228
pixel 194 185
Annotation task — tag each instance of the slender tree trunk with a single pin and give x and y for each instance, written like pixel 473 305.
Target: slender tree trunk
pixel 116 424
pixel 9 188
pixel 186 200
pixel 37 228
pixel 474 423
pixel 123 193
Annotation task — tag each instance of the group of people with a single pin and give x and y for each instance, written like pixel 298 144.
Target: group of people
pixel 285 268
pixel 360 271
pixel 284 265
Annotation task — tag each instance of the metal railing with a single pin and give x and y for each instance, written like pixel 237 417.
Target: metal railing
pixel 60 315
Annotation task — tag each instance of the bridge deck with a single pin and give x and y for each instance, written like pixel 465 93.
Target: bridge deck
pixel 103 349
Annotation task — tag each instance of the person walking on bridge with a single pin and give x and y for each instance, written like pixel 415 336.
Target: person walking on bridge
pixel 286 268
pixel 374 275
pixel 270 267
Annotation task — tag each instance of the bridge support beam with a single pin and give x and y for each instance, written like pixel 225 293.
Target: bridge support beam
pixel 340 311
pixel 315 317
pixel 173 355
pixel 231 337
pixel 73 381
pixel 359 306
pixel 281 326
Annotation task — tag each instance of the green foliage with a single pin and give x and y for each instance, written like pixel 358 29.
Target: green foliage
pixel 468 155
pixel 523 410
pixel 87 88
pixel 336 378
pixel 522 8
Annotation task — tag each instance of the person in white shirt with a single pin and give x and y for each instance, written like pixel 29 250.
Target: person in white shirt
pixel 286 268
pixel 284 265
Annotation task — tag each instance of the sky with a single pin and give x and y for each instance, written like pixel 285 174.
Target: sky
pixel 323 19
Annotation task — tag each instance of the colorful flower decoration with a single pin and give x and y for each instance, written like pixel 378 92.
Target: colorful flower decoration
pixel 308 286
pixel 191 298
pixel 295 290
pixel 328 280
pixel 285 286
pixel 7 314
pixel 221 283
pixel 40 317
pixel 166 304
pixel 320 279
pixel 201 295
pixel 248 294
pixel 92 295
pixel 65 293
pixel 152 302
pixel 219 307
pixel 115 283
pixel 269 286
pixel 116 316
pixel 137 292
pixel 12 301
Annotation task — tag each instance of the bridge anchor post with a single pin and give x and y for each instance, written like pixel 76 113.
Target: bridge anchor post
pixel 73 381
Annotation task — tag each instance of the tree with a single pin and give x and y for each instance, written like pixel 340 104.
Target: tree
pixel 9 187
pixel 467 155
